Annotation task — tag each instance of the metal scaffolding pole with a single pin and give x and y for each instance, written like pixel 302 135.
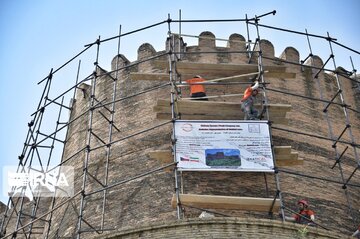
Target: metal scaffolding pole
pixel 172 79
pixel 37 201
pixel 37 139
pixel 265 105
pixel 46 234
pixel 315 76
pixel 111 126
pixel 33 150
pixel 354 73
pixel 88 145
pixel 347 119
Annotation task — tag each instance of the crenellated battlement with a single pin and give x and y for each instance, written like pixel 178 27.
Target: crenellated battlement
pixel 284 73
pixel 120 135
pixel 235 52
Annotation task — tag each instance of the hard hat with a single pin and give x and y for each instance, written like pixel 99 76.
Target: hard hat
pixel 303 201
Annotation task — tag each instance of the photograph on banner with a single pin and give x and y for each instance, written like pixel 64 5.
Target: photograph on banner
pixel 223 146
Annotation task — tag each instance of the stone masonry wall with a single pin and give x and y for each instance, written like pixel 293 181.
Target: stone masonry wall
pixel 147 199
pixel 223 228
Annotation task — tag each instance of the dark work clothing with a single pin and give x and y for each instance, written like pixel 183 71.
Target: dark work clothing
pixel 195 96
pixel 247 106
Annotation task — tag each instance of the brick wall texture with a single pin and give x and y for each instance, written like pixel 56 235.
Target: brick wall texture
pixel 224 228
pixel 145 200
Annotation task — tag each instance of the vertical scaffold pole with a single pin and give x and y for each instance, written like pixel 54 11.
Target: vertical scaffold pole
pixel 33 149
pixel 37 201
pixel 53 200
pixel 354 72
pixel 172 79
pixel 328 121
pixel 88 143
pixel 347 122
pixel 265 104
pixel 21 166
pixel 62 155
pixel 180 55
pixel 111 126
pixel 248 45
pixel 179 38
pixel 342 98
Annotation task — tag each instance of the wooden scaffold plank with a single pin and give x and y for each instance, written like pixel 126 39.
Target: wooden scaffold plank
pixel 211 70
pixel 227 202
pixel 216 110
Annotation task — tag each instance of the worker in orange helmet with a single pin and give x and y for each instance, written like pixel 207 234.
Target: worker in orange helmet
pixel 197 91
pixel 248 101
pixel 305 215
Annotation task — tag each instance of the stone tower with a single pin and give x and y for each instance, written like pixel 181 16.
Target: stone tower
pixel 139 188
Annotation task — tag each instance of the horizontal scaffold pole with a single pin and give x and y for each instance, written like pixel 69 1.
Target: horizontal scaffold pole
pixel 315 136
pixel 132 178
pixel 66 63
pixel 314 177
pixel 128 33
pixel 43 215
pixel 292 31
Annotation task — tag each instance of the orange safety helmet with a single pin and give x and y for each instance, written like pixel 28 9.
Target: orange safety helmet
pixel 304 202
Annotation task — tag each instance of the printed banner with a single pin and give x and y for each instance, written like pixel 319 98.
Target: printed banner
pixel 223 146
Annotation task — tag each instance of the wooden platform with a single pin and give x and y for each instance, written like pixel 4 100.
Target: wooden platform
pixel 227 202
pixel 211 71
pixel 216 110
pixel 284 156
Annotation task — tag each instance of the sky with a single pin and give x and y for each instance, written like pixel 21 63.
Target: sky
pixel 38 35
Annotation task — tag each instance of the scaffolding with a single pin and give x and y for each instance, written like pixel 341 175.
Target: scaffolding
pixel 38 220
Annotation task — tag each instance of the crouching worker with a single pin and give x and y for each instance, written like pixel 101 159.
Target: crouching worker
pixel 248 101
pixel 197 91
pixel 305 216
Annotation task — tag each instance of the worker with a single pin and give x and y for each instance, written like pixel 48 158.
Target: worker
pixel 357 233
pixel 2 233
pixel 197 91
pixel 248 100
pixel 305 216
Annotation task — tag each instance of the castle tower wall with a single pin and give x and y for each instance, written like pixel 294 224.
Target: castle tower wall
pixel 147 199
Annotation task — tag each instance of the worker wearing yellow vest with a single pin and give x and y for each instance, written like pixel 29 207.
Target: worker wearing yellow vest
pixel 197 91
pixel 248 100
